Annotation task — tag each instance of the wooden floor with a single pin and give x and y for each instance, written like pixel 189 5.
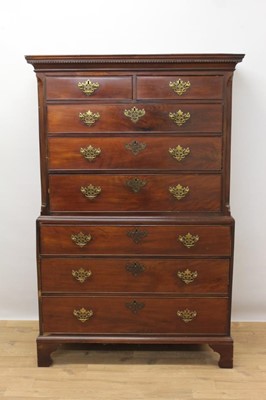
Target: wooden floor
pixel 131 374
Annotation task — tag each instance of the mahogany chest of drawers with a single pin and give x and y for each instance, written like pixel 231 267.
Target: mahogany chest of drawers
pixel 135 238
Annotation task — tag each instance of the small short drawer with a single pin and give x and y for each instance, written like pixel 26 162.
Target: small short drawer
pixel 89 87
pixel 135 275
pixel 179 87
pixel 139 152
pixel 130 117
pixel 181 240
pixel 142 315
pixel 158 192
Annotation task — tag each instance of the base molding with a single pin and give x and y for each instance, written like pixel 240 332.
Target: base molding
pixel 46 345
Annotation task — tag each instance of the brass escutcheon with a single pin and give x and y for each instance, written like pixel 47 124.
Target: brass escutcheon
pixel 179 191
pixel 179 117
pixel 134 114
pixel 136 235
pixel 179 86
pixel 135 184
pixel 188 240
pixel 135 306
pixel 90 191
pixel 81 239
pixel 89 118
pixel 81 274
pixel 135 147
pixel 90 152
pixel 187 276
pixel 83 315
pixel 88 87
pixel 186 315
pixel 135 268
pixel 179 152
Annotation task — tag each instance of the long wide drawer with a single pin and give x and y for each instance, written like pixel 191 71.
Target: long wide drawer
pixel 182 153
pixel 143 315
pixel 108 118
pixel 180 276
pixel 87 192
pixel 183 240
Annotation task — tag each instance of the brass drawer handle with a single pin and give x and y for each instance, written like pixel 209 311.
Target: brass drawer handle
pixel 179 191
pixel 186 315
pixel 83 315
pixel 188 240
pixel 135 184
pixel 179 152
pixel 81 274
pixel 135 268
pixel 136 235
pixel 134 114
pixel 187 276
pixel 135 306
pixel 179 86
pixel 135 147
pixel 90 152
pixel 81 239
pixel 179 117
pixel 89 118
pixel 90 191
pixel 88 87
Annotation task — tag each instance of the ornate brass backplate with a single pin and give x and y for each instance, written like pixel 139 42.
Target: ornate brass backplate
pixel 179 191
pixel 81 274
pixel 89 118
pixel 188 240
pixel 134 114
pixel 179 117
pixel 187 276
pixel 83 315
pixel 179 152
pixel 88 87
pixel 90 191
pixel 81 239
pixel 90 152
pixel 186 315
pixel 179 86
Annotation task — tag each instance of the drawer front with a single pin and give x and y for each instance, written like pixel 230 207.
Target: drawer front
pixel 183 240
pixel 143 315
pixel 89 87
pixel 87 193
pixel 180 276
pixel 111 118
pixel 179 87
pixel 138 152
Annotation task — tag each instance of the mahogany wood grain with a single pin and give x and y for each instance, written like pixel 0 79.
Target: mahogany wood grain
pixel 204 193
pixel 110 87
pixel 201 87
pixel 113 315
pixel 64 118
pixel 149 275
pixel 204 153
pixel 116 240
